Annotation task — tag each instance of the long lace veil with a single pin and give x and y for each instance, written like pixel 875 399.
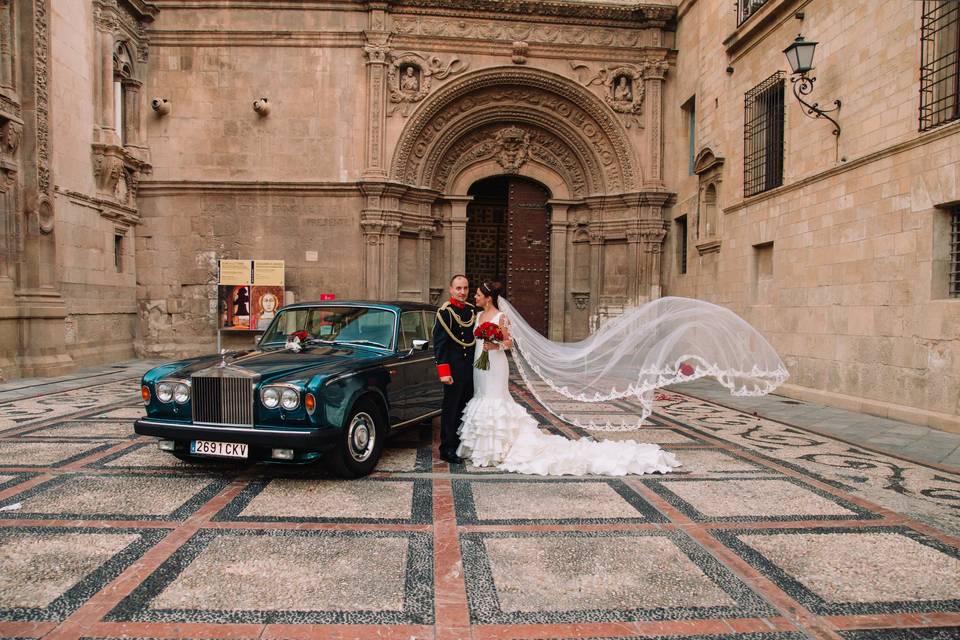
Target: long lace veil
pixel 663 342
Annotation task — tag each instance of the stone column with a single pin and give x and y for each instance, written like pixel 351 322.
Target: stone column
pixel 458 233
pixel 652 232
pixel 103 37
pixel 390 260
pixel 635 266
pixel 653 75
pixel 596 267
pixel 558 266
pixel 6 45
pixel 372 245
pixel 424 236
pixel 376 50
pixel 41 309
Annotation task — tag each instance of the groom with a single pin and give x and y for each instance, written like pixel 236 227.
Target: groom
pixel 453 345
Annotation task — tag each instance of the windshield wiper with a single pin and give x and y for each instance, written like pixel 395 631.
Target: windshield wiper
pixel 363 342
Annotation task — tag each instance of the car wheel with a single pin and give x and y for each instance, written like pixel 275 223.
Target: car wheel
pixel 361 442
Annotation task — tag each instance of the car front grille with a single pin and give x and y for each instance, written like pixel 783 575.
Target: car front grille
pixel 222 400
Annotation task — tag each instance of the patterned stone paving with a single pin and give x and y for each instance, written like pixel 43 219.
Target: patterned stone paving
pixel 768 532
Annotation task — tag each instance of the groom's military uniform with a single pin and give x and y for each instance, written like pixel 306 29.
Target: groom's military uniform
pixel 453 346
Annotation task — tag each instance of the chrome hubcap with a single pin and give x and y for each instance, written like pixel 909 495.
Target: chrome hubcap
pixel 362 437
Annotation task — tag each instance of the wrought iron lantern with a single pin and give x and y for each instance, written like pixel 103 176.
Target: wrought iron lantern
pixel 800 56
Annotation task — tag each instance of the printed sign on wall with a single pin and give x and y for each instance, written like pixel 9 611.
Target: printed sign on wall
pixel 249 294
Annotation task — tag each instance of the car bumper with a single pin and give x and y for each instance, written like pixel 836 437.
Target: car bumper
pixel 297 439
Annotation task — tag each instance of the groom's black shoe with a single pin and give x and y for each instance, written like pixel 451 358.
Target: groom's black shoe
pixel 452 458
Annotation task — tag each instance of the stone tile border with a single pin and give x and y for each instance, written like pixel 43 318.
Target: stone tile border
pixel 18 477
pixel 421 511
pixel 467 512
pixel 60 463
pixel 909 633
pixel 36 433
pixel 813 602
pixel 225 467
pixel 661 488
pixel 74 598
pixel 484 603
pixel 418 590
pixel 181 513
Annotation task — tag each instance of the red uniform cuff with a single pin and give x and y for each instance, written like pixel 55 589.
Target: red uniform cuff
pixel 443 370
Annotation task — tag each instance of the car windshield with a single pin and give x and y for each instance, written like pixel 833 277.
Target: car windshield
pixel 352 325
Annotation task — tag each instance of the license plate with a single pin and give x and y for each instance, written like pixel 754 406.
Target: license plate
pixel 218 449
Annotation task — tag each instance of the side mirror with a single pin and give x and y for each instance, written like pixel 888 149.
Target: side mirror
pixel 420 345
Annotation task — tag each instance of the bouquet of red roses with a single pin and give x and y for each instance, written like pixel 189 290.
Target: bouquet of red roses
pixel 488 332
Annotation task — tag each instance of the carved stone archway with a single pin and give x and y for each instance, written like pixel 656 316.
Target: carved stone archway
pixel 545 102
pixel 529 123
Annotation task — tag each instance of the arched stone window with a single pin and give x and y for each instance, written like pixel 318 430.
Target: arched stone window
pixel 710 220
pixel 123 79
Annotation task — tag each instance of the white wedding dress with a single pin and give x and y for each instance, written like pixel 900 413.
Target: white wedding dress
pixel 496 431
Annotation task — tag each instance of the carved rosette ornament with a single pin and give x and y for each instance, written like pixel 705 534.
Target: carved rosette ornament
pixel 10 134
pixel 513 148
pixel 623 88
pixel 409 76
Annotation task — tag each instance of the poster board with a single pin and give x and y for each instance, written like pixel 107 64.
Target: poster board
pixel 249 292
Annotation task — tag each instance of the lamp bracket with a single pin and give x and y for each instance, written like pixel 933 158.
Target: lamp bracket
pixel 803 86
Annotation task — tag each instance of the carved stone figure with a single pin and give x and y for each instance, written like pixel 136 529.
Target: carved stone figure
pixel 513 148
pixel 410 82
pixel 622 91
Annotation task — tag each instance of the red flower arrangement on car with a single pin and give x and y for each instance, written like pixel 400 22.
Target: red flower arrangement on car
pixel 488 332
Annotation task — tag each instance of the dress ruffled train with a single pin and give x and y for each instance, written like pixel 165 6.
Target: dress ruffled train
pixel 500 433
pixel 495 431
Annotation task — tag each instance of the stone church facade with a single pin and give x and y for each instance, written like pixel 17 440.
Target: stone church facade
pixel 590 155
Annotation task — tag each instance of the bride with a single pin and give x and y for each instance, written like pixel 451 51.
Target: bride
pixel 666 341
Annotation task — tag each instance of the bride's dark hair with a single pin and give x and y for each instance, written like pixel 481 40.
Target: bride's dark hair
pixel 492 290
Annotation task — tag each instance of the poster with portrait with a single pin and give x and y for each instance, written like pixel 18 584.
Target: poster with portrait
pixel 265 300
pixel 249 293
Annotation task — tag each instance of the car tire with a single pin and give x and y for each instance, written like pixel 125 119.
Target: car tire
pixel 361 441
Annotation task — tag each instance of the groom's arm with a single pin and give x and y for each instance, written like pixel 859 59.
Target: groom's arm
pixel 441 345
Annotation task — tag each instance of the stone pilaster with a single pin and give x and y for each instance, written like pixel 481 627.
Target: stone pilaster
pixel 653 74
pixel 559 222
pixel 424 237
pixel 458 233
pixel 596 266
pixel 376 51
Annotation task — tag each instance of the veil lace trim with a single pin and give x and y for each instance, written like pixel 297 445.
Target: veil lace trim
pixel 666 341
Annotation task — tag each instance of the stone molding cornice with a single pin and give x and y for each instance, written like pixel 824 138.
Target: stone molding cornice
pixel 144 10
pixel 637 15
pixel 759 25
pixel 265 38
pixel 161 188
pixel 110 210
pixel 926 138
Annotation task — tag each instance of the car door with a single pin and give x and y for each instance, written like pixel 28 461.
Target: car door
pixel 415 368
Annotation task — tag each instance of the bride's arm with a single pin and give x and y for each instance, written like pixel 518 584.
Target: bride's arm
pixel 505 328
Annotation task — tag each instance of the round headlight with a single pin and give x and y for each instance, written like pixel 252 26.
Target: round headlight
pixel 290 399
pixel 181 393
pixel 165 391
pixel 270 397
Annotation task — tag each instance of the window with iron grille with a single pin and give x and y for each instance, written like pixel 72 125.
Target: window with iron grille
pixel 955 254
pixel 746 8
pixel 763 136
pixel 939 63
pixel 682 243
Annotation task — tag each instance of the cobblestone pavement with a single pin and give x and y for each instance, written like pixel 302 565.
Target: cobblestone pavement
pixel 769 530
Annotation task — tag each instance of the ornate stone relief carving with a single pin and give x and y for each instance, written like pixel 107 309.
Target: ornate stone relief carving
pixel 513 147
pixel 11 132
pixel 523 96
pixel 521 31
pixel 581 299
pixel 622 88
pixel 409 76
pixel 520 50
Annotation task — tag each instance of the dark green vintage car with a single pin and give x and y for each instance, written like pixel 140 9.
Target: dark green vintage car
pixel 328 380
